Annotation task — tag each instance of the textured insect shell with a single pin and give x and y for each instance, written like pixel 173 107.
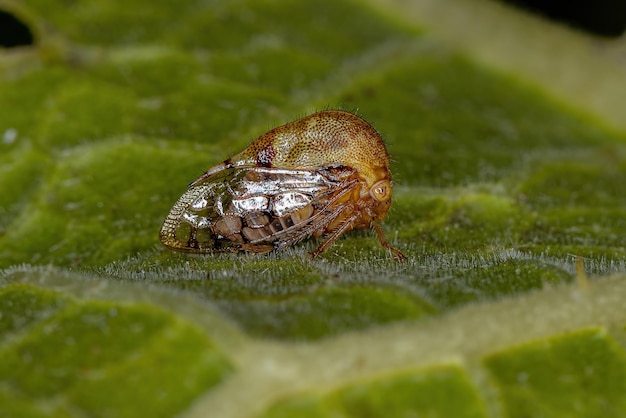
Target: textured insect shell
pixel 325 138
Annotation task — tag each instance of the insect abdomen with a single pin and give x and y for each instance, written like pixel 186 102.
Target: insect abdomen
pixel 252 228
pixel 260 227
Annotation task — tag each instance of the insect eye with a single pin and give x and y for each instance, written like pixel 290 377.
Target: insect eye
pixel 381 191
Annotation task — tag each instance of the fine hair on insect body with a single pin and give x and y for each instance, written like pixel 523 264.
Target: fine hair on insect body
pixel 320 176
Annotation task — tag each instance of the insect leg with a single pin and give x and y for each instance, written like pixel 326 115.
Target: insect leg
pixel 342 229
pixel 383 242
pixel 322 217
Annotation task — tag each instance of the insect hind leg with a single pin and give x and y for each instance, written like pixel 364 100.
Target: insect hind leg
pixel 319 220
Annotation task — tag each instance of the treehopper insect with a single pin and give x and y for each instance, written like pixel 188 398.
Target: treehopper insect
pixel 321 176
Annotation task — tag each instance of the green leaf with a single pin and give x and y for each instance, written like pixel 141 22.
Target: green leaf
pixel 552 377
pixel 508 166
pixel 434 393
pixel 62 354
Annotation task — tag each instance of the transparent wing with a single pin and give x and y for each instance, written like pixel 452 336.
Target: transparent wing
pixel 255 208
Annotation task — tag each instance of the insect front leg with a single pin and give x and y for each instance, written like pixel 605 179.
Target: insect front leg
pixel 383 242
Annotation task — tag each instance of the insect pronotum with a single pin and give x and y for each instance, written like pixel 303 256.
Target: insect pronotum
pixel 319 176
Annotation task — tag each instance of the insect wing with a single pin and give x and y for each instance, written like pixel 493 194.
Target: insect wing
pixel 253 208
pixel 192 215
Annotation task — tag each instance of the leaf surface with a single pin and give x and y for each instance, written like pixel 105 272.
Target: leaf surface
pixel 508 201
